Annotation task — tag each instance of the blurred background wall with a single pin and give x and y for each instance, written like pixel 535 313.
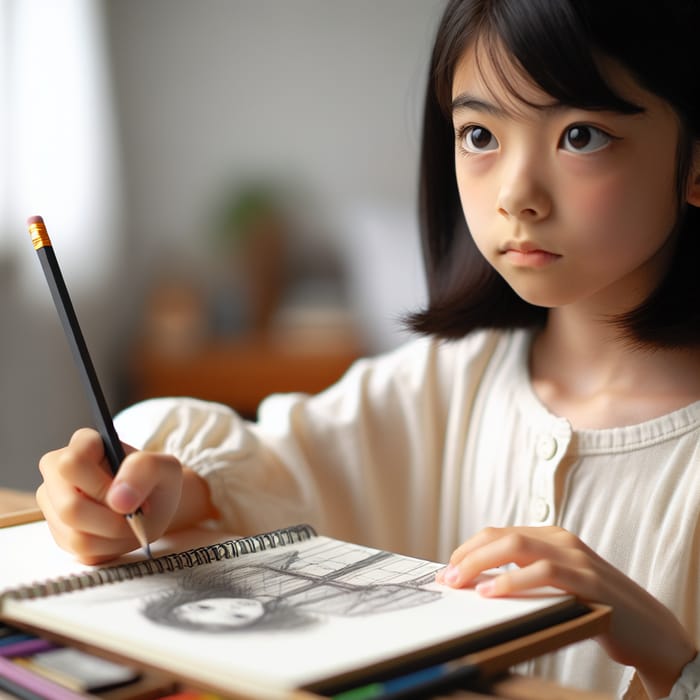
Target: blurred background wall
pixel 224 181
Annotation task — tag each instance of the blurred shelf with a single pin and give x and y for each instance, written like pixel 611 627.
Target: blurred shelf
pixel 241 372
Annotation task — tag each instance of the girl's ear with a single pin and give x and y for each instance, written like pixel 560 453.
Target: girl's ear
pixel 693 196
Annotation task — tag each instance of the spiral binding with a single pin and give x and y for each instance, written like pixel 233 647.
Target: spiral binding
pixel 229 549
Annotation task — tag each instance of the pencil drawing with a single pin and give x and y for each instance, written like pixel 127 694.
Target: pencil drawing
pixel 286 591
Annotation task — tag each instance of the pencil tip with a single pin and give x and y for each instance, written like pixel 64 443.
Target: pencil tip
pixel 136 522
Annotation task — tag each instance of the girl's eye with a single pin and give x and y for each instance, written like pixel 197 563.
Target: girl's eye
pixel 584 139
pixel 476 139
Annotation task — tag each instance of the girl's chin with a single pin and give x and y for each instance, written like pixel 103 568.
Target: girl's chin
pixel 546 300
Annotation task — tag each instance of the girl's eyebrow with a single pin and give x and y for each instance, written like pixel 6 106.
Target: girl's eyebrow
pixel 467 101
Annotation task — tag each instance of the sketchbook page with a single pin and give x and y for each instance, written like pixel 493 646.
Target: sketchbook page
pixel 281 618
pixel 29 552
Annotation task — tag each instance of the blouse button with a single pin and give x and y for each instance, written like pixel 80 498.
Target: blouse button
pixel 546 447
pixel 540 510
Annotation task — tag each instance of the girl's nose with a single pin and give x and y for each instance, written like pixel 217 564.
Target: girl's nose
pixel 523 194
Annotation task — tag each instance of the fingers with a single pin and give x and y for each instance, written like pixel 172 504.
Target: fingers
pixel 76 479
pixel 142 476
pixel 85 505
pixel 89 548
pixel 539 574
pixel 545 556
pixel 74 466
pixel 150 481
pixel 552 556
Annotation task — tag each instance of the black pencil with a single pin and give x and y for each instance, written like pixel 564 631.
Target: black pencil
pixel 100 411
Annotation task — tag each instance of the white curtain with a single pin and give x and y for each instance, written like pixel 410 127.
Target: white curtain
pixel 59 155
pixel 58 159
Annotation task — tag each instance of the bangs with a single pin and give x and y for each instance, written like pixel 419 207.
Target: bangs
pixel 543 41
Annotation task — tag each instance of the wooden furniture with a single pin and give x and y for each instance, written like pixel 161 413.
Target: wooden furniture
pixel 12 501
pixel 19 507
pixel 240 372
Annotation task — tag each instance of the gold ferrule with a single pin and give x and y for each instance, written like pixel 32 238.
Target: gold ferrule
pixel 40 237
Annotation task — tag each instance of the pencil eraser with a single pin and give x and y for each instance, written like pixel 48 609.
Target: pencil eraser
pixel 34 220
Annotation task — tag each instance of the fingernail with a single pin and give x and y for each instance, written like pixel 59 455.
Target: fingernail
pixel 486 588
pixel 122 497
pixel 451 575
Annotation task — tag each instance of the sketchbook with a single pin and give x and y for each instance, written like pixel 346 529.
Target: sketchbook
pixel 268 615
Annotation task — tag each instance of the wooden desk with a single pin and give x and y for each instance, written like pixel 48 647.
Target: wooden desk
pixel 514 687
pixel 17 507
pixel 497 684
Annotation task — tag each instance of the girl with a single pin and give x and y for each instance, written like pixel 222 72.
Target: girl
pixel 560 185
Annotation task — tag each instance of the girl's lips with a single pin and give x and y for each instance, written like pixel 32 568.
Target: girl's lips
pixel 521 257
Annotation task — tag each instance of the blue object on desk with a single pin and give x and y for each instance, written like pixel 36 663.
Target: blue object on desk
pixel 14 638
pixel 418 684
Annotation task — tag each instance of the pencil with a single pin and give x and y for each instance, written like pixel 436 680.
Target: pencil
pixel 423 683
pixel 113 446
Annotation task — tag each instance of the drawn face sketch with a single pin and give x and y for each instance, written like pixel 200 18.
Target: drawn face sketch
pixel 219 604
pixel 224 612
pixel 284 592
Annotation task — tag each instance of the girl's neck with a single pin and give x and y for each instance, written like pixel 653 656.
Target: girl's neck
pixel 588 373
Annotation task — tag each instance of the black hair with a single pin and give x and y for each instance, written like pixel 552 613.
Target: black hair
pixel 163 607
pixel 558 44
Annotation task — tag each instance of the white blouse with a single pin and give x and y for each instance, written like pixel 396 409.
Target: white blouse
pixel 418 449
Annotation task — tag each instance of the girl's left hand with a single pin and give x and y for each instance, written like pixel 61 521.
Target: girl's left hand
pixel 643 633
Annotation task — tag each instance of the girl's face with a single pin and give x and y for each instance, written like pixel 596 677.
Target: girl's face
pixel 221 612
pixel 569 206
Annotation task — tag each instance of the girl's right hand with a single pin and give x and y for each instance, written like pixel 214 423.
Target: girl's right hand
pixel 85 505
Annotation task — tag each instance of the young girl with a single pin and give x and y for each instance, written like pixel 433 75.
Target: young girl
pixel 559 427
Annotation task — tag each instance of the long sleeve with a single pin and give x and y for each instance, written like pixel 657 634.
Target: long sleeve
pixel 687 687
pixel 360 461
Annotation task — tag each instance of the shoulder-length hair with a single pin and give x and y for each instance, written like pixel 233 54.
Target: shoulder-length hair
pixel 558 44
